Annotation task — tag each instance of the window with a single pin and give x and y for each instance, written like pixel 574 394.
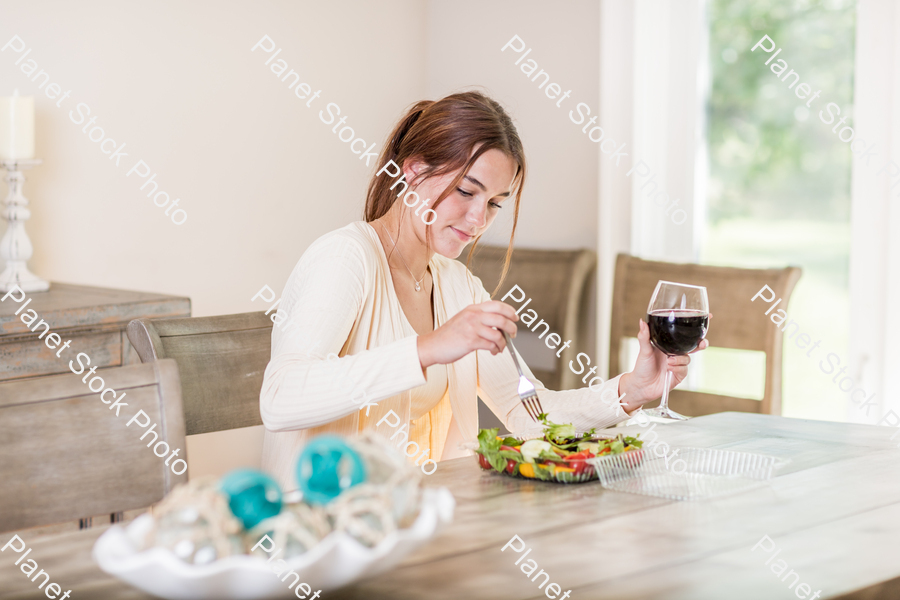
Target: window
pixel 778 191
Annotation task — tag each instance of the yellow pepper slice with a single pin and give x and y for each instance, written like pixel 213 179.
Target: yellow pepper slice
pixel 565 470
pixel 526 470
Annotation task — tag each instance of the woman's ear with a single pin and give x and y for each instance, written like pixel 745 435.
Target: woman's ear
pixel 412 168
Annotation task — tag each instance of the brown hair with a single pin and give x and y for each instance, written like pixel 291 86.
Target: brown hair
pixel 444 135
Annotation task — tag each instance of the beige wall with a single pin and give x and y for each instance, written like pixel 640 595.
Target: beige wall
pixel 259 174
pixel 559 206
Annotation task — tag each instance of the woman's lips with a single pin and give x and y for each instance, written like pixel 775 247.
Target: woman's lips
pixel 463 236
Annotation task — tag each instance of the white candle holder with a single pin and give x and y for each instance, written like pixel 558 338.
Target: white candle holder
pixel 15 247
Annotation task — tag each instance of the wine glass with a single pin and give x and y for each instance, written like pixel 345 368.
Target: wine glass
pixel 678 317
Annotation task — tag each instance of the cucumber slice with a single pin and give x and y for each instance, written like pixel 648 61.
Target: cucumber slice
pixel 532 448
pixel 593 447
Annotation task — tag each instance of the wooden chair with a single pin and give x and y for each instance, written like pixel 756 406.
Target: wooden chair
pixel 64 455
pixel 222 360
pixel 557 282
pixel 736 322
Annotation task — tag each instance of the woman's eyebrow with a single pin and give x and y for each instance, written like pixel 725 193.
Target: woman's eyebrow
pixel 481 185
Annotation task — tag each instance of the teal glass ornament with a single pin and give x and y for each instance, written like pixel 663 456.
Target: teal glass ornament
pixel 252 495
pixel 326 467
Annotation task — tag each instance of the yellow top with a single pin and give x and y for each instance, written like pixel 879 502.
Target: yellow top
pixel 339 299
pixel 425 397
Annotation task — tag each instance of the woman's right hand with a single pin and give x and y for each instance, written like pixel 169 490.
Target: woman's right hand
pixel 476 327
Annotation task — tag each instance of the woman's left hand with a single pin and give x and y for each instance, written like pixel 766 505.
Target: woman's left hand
pixel 646 382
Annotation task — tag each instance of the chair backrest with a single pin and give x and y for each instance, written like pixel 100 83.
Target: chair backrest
pixel 736 322
pixel 221 360
pixel 557 283
pixel 64 455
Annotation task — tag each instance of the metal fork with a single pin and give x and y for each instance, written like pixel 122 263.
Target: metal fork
pixel 527 393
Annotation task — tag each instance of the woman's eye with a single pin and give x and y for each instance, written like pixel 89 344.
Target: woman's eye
pixel 464 193
pixel 495 205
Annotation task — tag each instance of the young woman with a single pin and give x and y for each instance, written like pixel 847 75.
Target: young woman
pixel 386 330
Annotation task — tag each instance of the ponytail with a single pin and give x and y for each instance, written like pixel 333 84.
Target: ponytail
pixel 404 126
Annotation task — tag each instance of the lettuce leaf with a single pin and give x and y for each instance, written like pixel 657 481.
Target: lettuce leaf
pixel 512 455
pixel 549 455
pixel 489 447
pixel 487 441
pixel 497 461
pixel 554 432
pixel 542 473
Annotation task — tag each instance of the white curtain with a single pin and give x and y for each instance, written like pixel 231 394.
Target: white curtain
pixel 875 211
pixel 653 82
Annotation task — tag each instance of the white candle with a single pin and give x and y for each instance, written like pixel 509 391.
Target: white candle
pixel 17 127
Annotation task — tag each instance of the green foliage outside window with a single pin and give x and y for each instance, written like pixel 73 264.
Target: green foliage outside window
pixel 771 157
pixel 779 181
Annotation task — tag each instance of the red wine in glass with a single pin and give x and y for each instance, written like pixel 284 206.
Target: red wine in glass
pixel 677 331
pixel 678 317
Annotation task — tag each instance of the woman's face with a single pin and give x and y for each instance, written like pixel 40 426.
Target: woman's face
pixel 469 209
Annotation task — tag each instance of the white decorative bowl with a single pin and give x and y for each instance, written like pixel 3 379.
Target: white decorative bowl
pixel 336 561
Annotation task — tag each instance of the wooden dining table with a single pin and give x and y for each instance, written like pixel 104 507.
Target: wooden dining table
pixel 832 513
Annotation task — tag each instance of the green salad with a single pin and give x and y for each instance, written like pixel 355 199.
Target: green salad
pixel 560 455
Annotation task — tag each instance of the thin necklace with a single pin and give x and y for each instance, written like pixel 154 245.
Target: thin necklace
pixel 404 260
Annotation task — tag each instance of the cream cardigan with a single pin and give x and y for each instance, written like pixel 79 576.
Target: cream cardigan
pixel 340 299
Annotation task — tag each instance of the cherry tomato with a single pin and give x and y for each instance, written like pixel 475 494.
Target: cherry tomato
pixel 483 461
pixel 579 461
pixel 580 455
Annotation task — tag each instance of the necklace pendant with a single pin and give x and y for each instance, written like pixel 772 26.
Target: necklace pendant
pixel 417 287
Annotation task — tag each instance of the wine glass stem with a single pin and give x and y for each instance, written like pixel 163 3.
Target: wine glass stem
pixel 664 403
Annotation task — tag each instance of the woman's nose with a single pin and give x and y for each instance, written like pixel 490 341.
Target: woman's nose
pixel 477 215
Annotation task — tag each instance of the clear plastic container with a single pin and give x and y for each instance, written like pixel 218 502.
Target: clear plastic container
pixel 691 473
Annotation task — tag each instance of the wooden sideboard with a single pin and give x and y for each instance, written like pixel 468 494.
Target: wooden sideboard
pixel 93 318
